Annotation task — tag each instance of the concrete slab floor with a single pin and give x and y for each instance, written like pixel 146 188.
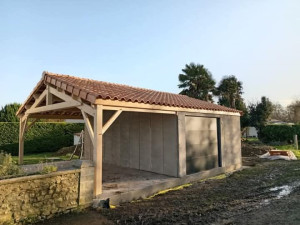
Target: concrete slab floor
pixel 117 180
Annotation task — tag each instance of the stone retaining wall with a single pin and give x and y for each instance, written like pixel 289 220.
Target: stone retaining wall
pixel 32 198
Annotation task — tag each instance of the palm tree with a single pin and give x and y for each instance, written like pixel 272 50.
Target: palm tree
pixel 197 82
pixel 229 91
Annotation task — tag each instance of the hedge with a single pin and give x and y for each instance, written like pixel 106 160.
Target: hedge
pixel 41 137
pixel 279 133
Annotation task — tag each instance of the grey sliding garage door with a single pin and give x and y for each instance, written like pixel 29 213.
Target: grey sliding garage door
pixel 201 144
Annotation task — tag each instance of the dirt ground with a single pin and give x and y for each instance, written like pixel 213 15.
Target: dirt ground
pixel 265 192
pixel 268 193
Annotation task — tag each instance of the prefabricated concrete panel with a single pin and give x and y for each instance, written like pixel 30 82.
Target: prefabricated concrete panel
pixel 181 144
pixel 107 139
pixel 201 144
pixel 134 140
pixel 231 140
pixel 115 140
pixel 124 139
pixel 157 148
pixel 170 136
pixel 145 142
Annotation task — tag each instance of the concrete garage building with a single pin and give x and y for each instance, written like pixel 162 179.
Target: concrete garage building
pixel 137 128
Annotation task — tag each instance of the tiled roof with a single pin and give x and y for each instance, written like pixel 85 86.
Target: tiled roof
pixel 90 90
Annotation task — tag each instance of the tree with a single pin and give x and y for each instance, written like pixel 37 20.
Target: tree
pixel 245 118
pixel 197 82
pixel 293 111
pixel 229 91
pixel 280 113
pixel 8 113
pixel 260 112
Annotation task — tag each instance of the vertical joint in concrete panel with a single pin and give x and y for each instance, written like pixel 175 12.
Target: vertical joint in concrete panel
pixel 181 144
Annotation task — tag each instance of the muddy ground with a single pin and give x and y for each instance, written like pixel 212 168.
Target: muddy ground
pixel 266 192
pixel 249 196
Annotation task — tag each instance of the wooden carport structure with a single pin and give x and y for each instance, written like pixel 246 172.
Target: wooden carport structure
pixel 66 97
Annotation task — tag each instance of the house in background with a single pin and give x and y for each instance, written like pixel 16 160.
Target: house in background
pixel 138 128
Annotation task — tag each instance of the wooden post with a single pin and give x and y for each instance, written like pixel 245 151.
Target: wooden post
pixel 97 153
pixel 49 96
pixel 296 141
pixel 21 139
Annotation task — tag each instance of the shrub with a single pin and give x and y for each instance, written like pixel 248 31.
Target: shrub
pixel 49 169
pixel 41 137
pixel 279 133
pixel 8 166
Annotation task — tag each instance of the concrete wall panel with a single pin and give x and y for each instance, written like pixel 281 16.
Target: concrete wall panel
pixel 115 141
pixel 231 140
pixel 201 144
pixel 134 140
pixel 197 164
pixel 143 141
pixel 157 150
pixel 170 145
pixel 124 140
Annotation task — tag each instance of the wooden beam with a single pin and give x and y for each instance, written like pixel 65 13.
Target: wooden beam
pixel 58 106
pixel 53 116
pixel 28 126
pixel 88 109
pixel 127 109
pixel 38 100
pixel 97 153
pixel 60 94
pixel 138 107
pixel 49 97
pixel 111 120
pixel 24 127
pixel 89 126
pixel 35 96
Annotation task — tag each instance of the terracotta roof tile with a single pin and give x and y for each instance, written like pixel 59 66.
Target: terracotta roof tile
pixel 90 90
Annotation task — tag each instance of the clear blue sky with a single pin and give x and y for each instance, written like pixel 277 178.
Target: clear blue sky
pixel 147 43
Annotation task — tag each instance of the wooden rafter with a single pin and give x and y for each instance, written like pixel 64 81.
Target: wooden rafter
pixel 111 120
pixel 38 100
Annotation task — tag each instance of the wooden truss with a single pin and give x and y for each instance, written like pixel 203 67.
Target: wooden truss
pixel 92 115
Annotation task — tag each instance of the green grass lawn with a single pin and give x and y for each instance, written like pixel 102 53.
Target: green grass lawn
pixel 43 157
